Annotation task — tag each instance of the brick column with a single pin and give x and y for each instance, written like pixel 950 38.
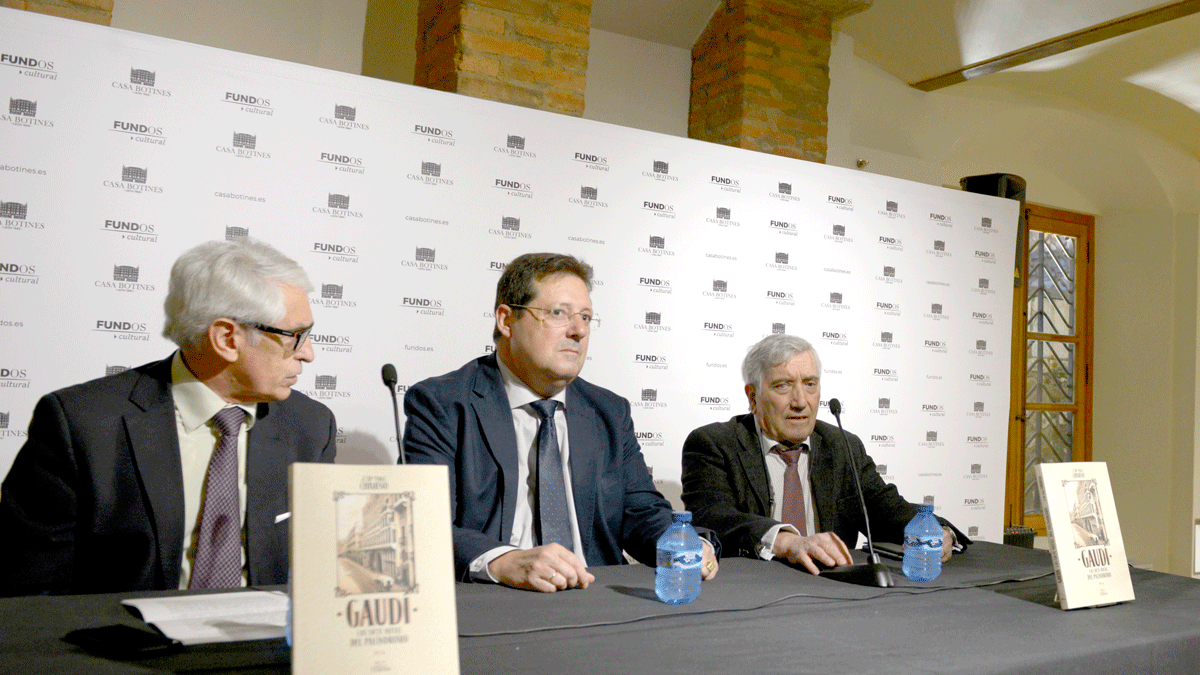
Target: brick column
pixel 760 75
pixel 531 53
pixel 91 11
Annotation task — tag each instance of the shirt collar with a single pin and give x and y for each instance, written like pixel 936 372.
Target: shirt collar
pixel 195 402
pixel 765 442
pixel 519 393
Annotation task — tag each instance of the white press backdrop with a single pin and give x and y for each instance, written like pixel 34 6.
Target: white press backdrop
pixel 119 150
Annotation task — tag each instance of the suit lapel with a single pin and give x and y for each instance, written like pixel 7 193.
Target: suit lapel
pixel 749 456
pixel 154 447
pixel 824 478
pixel 583 440
pixel 496 426
pixel 265 496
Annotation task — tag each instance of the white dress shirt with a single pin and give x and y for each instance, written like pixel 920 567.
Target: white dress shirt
pixel 776 467
pixel 195 404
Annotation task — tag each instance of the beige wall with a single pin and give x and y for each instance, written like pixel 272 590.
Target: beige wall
pixel 323 33
pixel 1146 196
pixel 1144 192
pixel 638 84
pixel 389 40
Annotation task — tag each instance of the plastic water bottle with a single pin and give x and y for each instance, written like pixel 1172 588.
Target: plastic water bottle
pixel 287 625
pixel 680 552
pixel 923 545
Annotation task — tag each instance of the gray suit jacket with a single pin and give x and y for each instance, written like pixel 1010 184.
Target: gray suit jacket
pixel 94 501
pixel 462 420
pixel 725 486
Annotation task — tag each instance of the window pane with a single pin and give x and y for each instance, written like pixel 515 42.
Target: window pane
pixel 1051 298
pixel 1049 436
pixel 1049 372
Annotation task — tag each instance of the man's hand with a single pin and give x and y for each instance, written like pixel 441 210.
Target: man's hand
pixel 546 568
pixel 708 566
pixel 826 548
pixel 947 543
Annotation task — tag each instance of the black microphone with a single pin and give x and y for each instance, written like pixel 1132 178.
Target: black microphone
pixel 390 379
pixel 871 573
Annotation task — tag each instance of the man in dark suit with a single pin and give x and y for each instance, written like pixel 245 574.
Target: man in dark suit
pixel 736 473
pixel 546 474
pixel 126 483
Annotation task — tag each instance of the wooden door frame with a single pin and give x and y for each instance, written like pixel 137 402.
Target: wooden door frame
pixel 1082 451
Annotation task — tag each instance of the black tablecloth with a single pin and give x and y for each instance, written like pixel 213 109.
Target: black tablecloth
pixel 991 611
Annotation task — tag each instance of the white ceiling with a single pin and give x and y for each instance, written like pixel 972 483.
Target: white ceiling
pixel 1150 77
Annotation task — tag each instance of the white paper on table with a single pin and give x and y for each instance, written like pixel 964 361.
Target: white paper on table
pixel 219 617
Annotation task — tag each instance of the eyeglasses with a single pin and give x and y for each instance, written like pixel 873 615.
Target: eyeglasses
pixel 300 335
pixel 561 317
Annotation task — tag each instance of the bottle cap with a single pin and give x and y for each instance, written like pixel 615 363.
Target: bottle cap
pixel 681 516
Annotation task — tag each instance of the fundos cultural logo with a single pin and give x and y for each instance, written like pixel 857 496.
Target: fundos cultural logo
pixel 19 273
pixel 342 163
pixel 250 103
pixel 726 184
pixel 659 209
pixel 592 161
pixel 434 134
pixel 123 329
pixel 336 252
pixel 423 306
pixel 29 66
pixel 651 361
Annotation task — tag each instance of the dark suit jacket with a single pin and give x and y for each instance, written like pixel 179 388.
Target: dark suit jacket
pixel 725 485
pixel 462 420
pixel 94 500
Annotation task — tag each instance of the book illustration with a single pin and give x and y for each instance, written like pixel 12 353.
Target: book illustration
pixel 1083 509
pixel 1086 547
pixel 360 536
pixel 375 547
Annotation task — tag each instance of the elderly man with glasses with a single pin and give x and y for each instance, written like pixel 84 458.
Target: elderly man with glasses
pixel 546 474
pixel 174 474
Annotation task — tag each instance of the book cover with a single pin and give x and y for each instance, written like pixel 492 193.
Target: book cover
pixel 372 570
pixel 1090 566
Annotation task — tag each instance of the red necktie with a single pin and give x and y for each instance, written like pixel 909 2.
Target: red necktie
pixel 793 487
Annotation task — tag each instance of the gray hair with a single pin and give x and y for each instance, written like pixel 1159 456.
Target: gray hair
pixel 227 279
pixel 772 351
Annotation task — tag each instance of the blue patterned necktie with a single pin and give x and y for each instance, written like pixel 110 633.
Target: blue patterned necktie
pixel 553 523
pixel 218 561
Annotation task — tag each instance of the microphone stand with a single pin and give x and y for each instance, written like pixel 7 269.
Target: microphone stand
pixel 390 378
pixel 871 573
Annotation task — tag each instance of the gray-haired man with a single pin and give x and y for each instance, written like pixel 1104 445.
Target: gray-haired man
pixel 173 474
pixel 736 474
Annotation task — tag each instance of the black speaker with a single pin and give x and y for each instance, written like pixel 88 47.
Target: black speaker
pixel 1008 186
pixel 1005 185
